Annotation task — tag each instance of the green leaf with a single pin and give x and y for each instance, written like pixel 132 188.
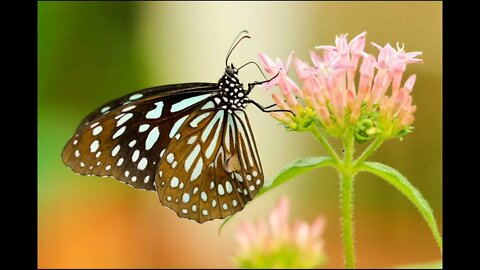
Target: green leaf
pixel 288 172
pixel 296 168
pixel 399 181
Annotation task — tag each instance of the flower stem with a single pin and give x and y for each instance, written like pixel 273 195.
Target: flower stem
pixel 347 219
pixel 346 201
pixel 370 149
pixel 326 145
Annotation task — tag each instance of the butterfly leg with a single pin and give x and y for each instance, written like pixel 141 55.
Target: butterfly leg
pixel 252 85
pixel 265 109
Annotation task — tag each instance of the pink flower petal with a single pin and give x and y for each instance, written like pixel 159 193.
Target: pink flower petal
pixel 410 82
pixel 357 44
pixel 268 63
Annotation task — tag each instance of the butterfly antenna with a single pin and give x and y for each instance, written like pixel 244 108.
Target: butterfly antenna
pixel 252 62
pixel 234 44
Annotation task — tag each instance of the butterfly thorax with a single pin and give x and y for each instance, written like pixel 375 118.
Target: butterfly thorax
pixel 232 94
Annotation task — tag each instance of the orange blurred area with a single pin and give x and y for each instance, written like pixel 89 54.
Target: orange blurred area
pixel 130 229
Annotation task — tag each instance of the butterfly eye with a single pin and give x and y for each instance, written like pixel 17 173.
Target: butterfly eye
pixel 230 71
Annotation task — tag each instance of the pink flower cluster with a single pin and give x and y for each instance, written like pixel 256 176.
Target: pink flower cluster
pixel 329 90
pixel 277 240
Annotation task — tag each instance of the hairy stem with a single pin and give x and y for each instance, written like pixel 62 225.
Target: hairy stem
pixel 347 219
pixel 346 201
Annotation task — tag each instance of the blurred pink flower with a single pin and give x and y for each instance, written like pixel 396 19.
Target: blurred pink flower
pixel 277 244
pixel 330 98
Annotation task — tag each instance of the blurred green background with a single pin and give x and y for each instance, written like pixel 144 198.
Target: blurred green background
pixel 92 52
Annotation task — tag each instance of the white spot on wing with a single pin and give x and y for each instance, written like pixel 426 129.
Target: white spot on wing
pixel 197 170
pixel 157 112
pixel 192 139
pixel 174 182
pixel 221 191
pixel 191 158
pixel 97 130
pixel 115 150
pixel 119 162
pixel 228 187
pixel 199 119
pixel 188 102
pixel 135 155
pixel 209 105
pixel 213 143
pixel 170 158
pixel 124 119
pixel 142 164
pixel 143 127
pixel 94 146
pixel 135 96
pixel 128 108
pixel 132 143
pixel 177 126
pixel 105 109
pixel 210 125
pixel 119 132
pixel 185 198
pixel 152 138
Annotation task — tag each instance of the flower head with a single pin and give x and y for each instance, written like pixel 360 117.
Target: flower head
pixel 277 244
pixel 330 98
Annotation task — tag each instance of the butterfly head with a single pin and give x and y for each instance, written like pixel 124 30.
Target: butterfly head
pixel 231 72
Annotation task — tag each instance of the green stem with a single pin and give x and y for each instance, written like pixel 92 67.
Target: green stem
pixel 326 145
pixel 349 149
pixel 370 149
pixel 346 201
pixel 347 219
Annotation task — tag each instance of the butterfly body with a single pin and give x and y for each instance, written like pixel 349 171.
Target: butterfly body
pixel 191 143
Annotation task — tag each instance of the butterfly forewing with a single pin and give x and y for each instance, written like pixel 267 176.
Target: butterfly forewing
pixel 213 169
pixel 126 141
pixel 149 93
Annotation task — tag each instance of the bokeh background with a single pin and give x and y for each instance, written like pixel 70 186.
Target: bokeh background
pixel 92 52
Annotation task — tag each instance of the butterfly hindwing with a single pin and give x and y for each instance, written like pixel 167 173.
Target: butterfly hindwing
pixel 211 170
pixel 126 142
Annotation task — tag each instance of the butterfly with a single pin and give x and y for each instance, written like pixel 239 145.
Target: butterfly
pixel 192 143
